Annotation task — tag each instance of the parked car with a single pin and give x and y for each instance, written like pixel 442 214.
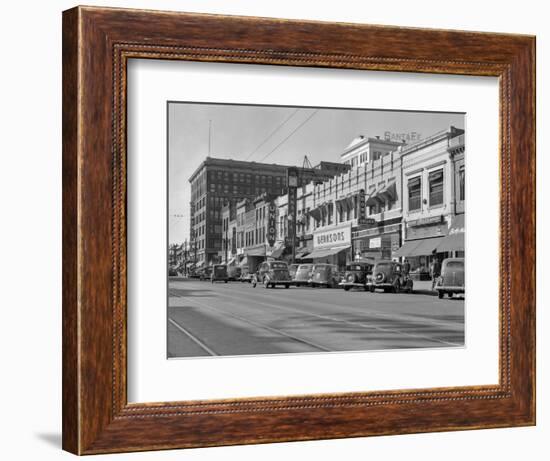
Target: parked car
pixel 451 280
pixel 206 273
pixel 303 275
pixel 219 273
pixel 234 272
pixel 172 271
pixel 292 268
pixel 272 273
pixel 325 275
pixel 246 276
pixel 357 275
pixel 389 276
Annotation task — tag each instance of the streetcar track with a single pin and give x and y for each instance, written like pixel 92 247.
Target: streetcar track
pixel 192 337
pixel 377 313
pixel 349 322
pixel 258 325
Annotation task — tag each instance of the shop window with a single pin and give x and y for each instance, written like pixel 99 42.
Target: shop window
pixel 414 186
pixel 462 184
pixel 435 184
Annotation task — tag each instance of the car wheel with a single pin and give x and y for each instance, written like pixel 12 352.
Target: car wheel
pixel 450 294
pixel 346 288
pixel 371 288
pixel 226 281
pixel 440 294
pixel 287 285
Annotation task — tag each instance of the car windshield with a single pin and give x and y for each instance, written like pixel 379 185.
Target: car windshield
pixel 454 265
pixel 321 268
pixel 304 267
pixel 358 267
pixel 384 267
pixel 278 265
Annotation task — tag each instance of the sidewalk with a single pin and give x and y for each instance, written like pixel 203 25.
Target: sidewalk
pixel 423 287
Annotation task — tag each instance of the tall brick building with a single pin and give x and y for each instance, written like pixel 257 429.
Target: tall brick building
pixel 217 182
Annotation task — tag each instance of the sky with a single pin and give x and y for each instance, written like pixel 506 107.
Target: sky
pixel 272 134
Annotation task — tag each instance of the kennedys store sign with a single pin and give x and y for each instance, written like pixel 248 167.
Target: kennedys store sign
pixel 333 237
pixel 271 222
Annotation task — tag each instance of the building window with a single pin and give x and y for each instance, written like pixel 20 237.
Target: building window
pixel 462 184
pixel 414 186
pixel 435 181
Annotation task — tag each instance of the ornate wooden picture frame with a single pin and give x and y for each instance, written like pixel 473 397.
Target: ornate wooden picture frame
pixel 97 44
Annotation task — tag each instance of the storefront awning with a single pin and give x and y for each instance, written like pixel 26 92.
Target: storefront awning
pixel 452 242
pixel 388 192
pixel 260 251
pixel 304 254
pixel 316 213
pixel 323 252
pixel 406 249
pixel 277 253
pixel 373 197
pixel 426 246
pixel 423 247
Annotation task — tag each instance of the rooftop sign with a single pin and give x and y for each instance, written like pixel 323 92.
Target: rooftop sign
pixel 412 136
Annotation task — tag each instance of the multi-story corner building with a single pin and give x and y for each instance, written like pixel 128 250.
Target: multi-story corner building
pixel 364 149
pixel 355 214
pixel 375 208
pixel 219 181
pixel 433 183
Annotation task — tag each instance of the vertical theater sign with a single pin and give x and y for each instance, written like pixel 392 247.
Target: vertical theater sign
pixel 271 222
pixel 292 183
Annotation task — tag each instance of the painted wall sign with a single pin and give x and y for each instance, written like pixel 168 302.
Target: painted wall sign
pixel 375 242
pixel 332 237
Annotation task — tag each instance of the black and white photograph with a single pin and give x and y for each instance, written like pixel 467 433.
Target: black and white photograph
pixel 313 230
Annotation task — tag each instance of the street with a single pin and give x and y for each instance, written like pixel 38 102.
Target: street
pixel 220 319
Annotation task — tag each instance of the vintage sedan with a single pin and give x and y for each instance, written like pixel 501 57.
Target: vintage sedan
pixel 451 280
pixel 219 273
pixel 246 275
pixel 357 275
pixel 234 272
pixel 292 268
pixel 206 273
pixel 389 276
pixel 303 275
pixel 272 273
pixel 325 275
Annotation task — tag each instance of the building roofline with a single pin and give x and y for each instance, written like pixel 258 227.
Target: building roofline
pixel 450 133
pixel 212 161
pixel 366 141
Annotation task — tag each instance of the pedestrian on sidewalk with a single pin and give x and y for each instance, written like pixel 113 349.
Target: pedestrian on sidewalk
pixel 406 267
pixel 435 271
